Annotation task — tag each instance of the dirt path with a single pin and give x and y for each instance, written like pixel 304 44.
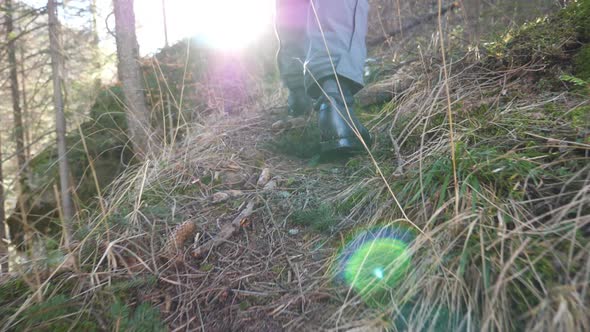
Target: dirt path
pixel 273 272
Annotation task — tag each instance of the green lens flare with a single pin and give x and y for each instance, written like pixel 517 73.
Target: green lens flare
pixel 377 266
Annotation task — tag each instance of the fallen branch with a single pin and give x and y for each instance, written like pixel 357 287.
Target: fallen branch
pixel 226 232
pixel 263 178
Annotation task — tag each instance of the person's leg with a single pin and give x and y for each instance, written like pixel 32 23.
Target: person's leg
pixel 334 70
pixel 337 31
pixel 291 25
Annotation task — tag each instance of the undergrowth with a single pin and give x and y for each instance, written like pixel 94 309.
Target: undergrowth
pixel 509 254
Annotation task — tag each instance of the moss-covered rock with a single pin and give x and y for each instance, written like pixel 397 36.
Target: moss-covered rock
pixel 107 149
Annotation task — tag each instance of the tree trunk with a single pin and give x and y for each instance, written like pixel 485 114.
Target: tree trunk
pixel 95 44
pixel 25 109
pixel 130 76
pixel 60 120
pixel 3 246
pixel 19 136
pixel 93 12
pixel 165 19
pixel 14 86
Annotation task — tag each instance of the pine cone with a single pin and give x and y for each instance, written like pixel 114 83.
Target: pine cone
pixel 180 235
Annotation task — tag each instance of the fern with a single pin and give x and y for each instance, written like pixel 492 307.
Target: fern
pixel 575 81
pixel 145 318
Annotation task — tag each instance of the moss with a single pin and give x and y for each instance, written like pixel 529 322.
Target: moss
pixel 578 13
pixel 580 117
pixel 582 63
pixel 549 39
pixel 298 143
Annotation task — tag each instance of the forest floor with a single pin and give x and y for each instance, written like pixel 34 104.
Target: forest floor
pixel 243 227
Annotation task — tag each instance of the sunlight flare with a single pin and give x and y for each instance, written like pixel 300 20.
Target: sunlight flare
pixel 223 24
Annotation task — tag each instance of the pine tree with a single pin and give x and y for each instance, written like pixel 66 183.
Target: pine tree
pixel 64 172
pixel 130 76
pixel 3 247
pixel 17 113
pixel 14 89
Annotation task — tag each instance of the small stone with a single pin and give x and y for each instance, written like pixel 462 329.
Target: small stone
pixel 293 231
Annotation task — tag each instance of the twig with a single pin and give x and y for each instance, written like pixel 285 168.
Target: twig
pixel 226 232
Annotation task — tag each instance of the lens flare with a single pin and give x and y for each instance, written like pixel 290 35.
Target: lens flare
pixel 228 24
pixel 375 261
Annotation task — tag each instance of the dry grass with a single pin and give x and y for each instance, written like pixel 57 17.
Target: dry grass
pixel 512 258
pixel 509 253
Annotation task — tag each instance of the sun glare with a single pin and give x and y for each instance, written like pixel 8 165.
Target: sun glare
pixel 223 24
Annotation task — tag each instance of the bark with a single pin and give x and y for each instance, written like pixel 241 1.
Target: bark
pixel 14 89
pixel 130 77
pixel 19 136
pixel 25 109
pixel 60 120
pixel 3 246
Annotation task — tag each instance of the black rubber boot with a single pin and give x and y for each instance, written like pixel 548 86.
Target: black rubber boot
pixel 299 103
pixel 337 120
